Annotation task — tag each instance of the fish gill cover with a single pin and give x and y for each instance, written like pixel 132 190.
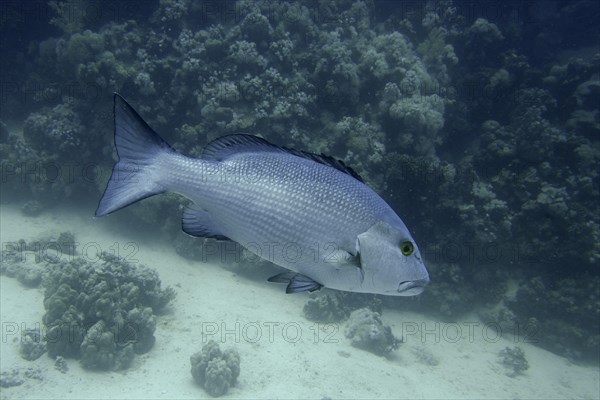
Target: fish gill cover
pixel 480 128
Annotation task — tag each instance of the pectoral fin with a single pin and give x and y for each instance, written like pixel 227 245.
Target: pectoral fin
pixel 296 282
pixel 341 259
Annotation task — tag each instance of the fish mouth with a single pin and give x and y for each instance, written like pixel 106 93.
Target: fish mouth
pixel 412 288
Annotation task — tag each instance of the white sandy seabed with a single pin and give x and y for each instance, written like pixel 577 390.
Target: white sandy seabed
pixel 283 354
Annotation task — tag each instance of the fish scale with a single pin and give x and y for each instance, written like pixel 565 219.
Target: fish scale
pixel 297 206
pixel 305 212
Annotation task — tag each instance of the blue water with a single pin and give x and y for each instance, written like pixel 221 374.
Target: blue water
pixel 478 122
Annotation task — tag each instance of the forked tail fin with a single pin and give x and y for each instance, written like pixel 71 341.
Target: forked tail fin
pixel 135 176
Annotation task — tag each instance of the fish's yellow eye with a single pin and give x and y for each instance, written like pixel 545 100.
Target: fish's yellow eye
pixel 407 248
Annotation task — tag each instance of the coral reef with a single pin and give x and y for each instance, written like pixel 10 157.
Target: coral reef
pixel 27 261
pixel 215 370
pixel 535 306
pixel 481 130
pixel 366 331
pixel 32 346
pixel 325 307
pixel 30 274
pixel 55 131
pixel 10 378
pixel 335 306
pixel 451 297
pixel 102 313
pixel 18 376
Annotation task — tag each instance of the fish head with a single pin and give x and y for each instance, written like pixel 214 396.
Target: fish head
pixel 391 261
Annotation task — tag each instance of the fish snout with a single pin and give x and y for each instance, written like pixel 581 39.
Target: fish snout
pixel 412 288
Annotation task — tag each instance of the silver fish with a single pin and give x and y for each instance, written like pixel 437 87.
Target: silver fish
pixel 308 213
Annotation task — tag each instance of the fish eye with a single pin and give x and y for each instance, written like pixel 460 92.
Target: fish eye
pixel 407 248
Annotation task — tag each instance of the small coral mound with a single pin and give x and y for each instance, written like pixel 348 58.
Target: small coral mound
pixel 32 346
pixel 366 331
pixel 215 370
pixel 331 306
pixel 325 307
pixel 28 260
pixel 513 359
pixel 10 378
pixel 102 312
pixel 60 364
pixel 18 376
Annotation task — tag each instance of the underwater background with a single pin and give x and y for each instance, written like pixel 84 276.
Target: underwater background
pixel 477 121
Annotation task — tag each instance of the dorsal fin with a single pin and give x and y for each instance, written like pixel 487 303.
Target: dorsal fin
pixel 224 147
pixel 326 160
